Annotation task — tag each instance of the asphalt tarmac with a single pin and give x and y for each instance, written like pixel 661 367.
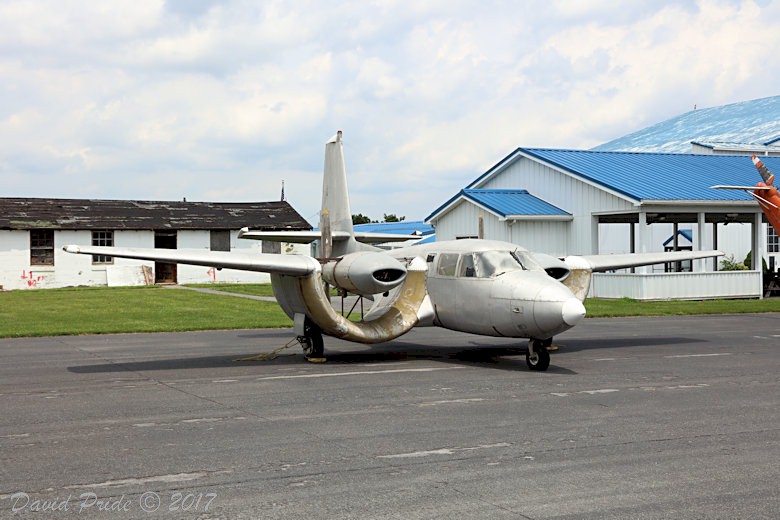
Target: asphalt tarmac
pixel 674 417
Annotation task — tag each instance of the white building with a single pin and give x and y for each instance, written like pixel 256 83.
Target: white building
pixel 33 232
pixel 566 202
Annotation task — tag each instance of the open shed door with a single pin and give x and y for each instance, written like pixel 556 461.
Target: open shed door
pixel 164 272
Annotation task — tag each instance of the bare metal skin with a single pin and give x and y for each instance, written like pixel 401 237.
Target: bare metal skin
pixel 478 286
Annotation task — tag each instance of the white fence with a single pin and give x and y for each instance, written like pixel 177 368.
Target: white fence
pixel 677 286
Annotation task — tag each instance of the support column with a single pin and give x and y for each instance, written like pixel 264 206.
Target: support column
pixel 699 265
pixel 755 242
pixel 594 235
pixel 642 233
pixel 633 241
pixel 716 259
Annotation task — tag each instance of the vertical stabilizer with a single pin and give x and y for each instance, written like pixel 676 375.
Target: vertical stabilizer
pixel 335 197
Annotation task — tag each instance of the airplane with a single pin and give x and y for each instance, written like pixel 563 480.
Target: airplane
pixel 765 193
pixel 477 286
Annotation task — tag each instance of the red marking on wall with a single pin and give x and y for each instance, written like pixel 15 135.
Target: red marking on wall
pixel 212 273
pixel 32 279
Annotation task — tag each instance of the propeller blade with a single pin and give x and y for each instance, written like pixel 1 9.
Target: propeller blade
pixel 768 176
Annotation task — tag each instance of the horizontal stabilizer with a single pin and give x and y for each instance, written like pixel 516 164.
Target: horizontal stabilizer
pixel 307 237
pixel 601 263
pixel 291 265
pixel 723 187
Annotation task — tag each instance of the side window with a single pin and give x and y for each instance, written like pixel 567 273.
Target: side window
pixel 41 247
pixel 466 268
pixel 447 264
pixel 102 238
pixel 220 240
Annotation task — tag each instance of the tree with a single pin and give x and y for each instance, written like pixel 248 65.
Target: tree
pixel 361 219
pixel 392 218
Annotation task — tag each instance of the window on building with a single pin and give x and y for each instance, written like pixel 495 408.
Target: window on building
pixel 772 240
pixel 102 238
pixel 220 240
pixel 42 247
pixel 272 247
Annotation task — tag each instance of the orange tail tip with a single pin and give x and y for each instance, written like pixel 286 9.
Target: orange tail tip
pixel 767 175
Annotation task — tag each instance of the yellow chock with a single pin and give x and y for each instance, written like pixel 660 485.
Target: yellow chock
pixel 552 348
pixel 316 359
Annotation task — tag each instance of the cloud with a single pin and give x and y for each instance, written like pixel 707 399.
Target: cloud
pixel 223 100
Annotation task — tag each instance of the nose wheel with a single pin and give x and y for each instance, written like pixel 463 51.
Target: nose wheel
pixel 538 357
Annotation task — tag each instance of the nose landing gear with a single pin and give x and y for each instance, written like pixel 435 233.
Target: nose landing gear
pixel 538 357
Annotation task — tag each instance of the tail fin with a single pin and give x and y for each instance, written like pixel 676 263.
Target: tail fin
pixel 336 215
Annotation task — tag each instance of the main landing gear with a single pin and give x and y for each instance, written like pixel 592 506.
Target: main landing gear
pixel 538 357
pixel 312 343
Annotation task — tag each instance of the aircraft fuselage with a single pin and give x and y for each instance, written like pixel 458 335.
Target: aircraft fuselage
pixel 494 288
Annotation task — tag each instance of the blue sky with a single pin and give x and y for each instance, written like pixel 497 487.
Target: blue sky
pixel 221 101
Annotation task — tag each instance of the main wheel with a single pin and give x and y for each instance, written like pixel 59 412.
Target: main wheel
pixel 537 357
pixel 311 341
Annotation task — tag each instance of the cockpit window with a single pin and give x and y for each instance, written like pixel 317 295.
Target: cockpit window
pixel 447 264
pixel 466 268
pixel 527 260
pixel 490 264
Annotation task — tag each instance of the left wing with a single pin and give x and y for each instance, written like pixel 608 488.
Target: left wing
pixel 291 265
pixel 601 263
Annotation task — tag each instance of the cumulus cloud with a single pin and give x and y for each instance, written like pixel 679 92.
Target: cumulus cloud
pixel 222 100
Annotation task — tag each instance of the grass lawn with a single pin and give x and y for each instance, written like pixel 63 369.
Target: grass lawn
pixel 105 310
pixel 600 308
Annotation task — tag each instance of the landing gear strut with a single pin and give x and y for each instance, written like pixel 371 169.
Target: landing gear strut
pixel 311 341
pixel 538 357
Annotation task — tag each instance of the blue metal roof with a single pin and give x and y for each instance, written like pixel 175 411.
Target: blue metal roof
pixel 405 227
pixel 756 121
pixel 654 176
pixel 505 203
pixel 686 233
pixel 512 202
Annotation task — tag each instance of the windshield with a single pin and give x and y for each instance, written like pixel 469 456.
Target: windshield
pixel 490 264
pixel 528 261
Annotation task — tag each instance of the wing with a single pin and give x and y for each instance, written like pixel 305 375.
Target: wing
pixel 601 263
pixel 306 237
pixel 745 188
pixel 291 265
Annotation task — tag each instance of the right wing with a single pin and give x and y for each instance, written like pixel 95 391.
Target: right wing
pixel 291 265
pixel 306 237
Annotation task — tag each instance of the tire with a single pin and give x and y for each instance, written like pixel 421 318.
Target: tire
pixel 540 361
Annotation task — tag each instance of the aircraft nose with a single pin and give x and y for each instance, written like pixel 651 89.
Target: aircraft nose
pixel 572 311
pixel 556 309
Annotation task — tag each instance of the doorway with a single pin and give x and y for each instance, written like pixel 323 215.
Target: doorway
pixel 164 272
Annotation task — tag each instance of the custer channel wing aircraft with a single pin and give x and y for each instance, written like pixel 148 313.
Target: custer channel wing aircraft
pixel 478 286
pixel 765 193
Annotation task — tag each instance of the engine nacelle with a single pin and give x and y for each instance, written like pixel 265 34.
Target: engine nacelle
pixel 365 273
pixel 554 267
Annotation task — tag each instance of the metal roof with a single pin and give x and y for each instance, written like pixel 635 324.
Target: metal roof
pixel 512 202
pixel 755 122
pixel 32 213
pixel 649 176
pixel 504 203
pixel 404 227
pixel 685 233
